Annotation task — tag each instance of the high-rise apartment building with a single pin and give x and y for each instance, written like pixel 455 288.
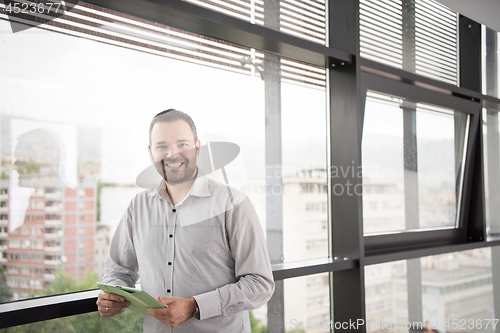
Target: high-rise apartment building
pixel 57 233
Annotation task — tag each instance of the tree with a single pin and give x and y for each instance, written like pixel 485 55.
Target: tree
pixel 128 321
pixel 255 324
pixel 5 293
pixel 27 167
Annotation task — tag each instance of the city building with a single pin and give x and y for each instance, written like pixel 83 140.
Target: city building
pixel 101 248
pixel 57 234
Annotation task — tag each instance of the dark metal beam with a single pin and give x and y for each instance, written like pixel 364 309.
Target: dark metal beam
pixel 346 122
pixel 274 167
pixel 296 269
pixel 473 215
pixel 398 75
pixel 46 308
pixel 419 94
pixel 410 240
pixel 469 34
pixel 425 252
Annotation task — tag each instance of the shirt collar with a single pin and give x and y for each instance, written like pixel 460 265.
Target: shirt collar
pixel 198 189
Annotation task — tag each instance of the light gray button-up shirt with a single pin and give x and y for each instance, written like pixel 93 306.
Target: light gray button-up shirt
pixel 209 246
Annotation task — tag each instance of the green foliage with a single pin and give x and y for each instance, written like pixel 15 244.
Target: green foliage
pixel 256 326
pixel 63 283
pixel 100 185
pixel 5 293
pixel 128 321
pixel 27 167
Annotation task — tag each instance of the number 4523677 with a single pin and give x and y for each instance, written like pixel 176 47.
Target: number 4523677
pixel 471 324
pixel 32 8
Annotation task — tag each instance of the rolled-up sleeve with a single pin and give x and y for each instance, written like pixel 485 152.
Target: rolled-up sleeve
pixel 255 284
pixel 121 263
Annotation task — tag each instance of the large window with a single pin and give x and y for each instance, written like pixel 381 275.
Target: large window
pixel 367 136
pixel 71 164
pixel 412 164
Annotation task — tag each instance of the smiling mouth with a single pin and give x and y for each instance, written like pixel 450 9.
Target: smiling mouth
pixel 174 165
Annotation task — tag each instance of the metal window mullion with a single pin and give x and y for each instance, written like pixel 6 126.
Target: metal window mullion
pixel 345 107
pixel 273 162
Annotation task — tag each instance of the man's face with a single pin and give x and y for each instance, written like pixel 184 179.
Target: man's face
pixel 174 151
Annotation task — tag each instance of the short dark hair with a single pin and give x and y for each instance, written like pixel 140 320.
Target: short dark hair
pixel 172 115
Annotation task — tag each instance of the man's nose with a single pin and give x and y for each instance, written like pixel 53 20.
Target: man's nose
pixel 172 152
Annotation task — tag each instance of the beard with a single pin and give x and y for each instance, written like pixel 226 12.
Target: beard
pixel 172 177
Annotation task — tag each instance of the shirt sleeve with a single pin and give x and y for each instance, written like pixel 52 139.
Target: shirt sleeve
pixel 255 283
pixel 121 263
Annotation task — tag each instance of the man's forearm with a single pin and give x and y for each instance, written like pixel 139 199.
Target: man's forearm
pixel 250 292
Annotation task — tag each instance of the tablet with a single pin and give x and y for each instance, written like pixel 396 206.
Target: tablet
pixel 138 299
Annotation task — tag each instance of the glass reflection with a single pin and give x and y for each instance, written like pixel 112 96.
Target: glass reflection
pixel 450 293
pixel 413 157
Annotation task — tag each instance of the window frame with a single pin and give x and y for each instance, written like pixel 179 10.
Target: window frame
pixel 414 239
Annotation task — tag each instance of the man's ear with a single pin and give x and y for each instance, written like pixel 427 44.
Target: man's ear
pixel 150 154
pixel 198 144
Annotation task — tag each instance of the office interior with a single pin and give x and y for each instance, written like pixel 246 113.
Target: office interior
pixel 368 138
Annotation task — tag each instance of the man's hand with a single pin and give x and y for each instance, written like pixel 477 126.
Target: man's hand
pixel 110 304
pixel 176 313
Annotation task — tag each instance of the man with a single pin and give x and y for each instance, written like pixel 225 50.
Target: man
pixel 196 243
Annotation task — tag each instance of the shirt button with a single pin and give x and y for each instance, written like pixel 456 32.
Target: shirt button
pixel 174 210
pixel 169 263
pixel 171 236
pixel 168 290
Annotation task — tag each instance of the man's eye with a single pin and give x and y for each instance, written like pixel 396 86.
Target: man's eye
pixel 183 145
pixel 160 147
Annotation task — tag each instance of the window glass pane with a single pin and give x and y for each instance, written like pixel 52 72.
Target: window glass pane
pixel 491 135
pixel 305 185
pixel 459 286
pixel 491 146
pixel 385 296
pixel 71 153
pixel 419 36
pixel 491 60
pixel 303 19
pixel 451 293
pixel 307 304
pixel 412 170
